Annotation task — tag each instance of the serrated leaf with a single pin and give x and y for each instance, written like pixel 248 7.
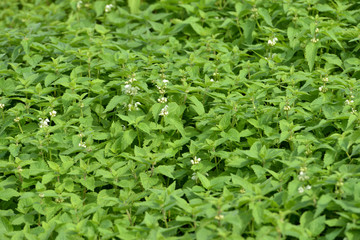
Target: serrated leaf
pixel 177 124
pixel 8 193
pixel 332 59
pixel 89 183
pixel 198 106
pixel 166 170
pixel 134 6
pixel 114 102
pixel 127 138
pixel 198 29
pixel 310 54
pixel 265 15
pixel 147 181
pixel 99 7
pixel 182 203
pixel 204 181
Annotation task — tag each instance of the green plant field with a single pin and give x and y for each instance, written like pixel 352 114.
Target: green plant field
pixel 210 119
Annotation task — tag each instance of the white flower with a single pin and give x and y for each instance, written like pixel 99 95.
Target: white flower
pixel 44 122
pixel 353 111
pixel 322 89
pixel 164 111
pixel 17 119
pixel 53 113
pixel 302 176
pixel 287 108
pixel 314 40
pixel 133 106
pixel 79 4
pixel 325 79
pixel 272 42
pixel 194 177
pixel 165 81
pixel 211 80
pixel 162 100
pixel 41 195
pixel 130 90
pixel 2 105
pixel 301 189
pixel 82 144
pixel 108 7
pixel 349 102
pixel 219 217
pixel 195 161
pixel 308 187
pixel 317 30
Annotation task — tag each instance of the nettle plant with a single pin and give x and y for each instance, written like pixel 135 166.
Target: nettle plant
pixel 179 120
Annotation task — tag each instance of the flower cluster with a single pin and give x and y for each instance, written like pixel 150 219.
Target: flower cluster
pixel 322 89
pixel 17 119
pixel 302 174
pixel 129 89
pixel 162 100
pixel 164 111
pixel 108 7
pixel 79 4
pixel 53 113
pixel 194 177
pixel 287 108
pixel 303 189
pixel 272 42
pixel 314 40
pixel 219 217
pixel 349 102
pixel 82 144
pixel 162 87
pixel 2 106
pixel 195 161
pixel 44 122
pixel 133 106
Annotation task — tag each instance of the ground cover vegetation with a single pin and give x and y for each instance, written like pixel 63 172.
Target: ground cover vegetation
pixel 211 119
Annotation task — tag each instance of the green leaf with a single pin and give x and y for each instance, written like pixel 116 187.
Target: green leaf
pixel 199 29
pixel 257 211
pixel 248 28
pixel 204 181
pixel 89 183
pixel 332 34
pixel 329 158
pixel 332 59
pixel 147 181
pixel 8 193
pixel 317 225
pixel 225 121
pixel 166 170
pixel 114 102
pixel 76 201
pixel 310 54
pixel 99 7
pixel 182 203
pixel 127 138
pixel 198 106
pixel 134 6
pixel 50 79
pixel 101 29
pixel 321 204
pixel 265 15
pixel 177 124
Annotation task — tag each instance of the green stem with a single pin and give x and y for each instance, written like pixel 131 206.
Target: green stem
pixel 20 128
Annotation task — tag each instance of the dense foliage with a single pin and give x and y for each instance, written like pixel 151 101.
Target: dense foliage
pixel 183 119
